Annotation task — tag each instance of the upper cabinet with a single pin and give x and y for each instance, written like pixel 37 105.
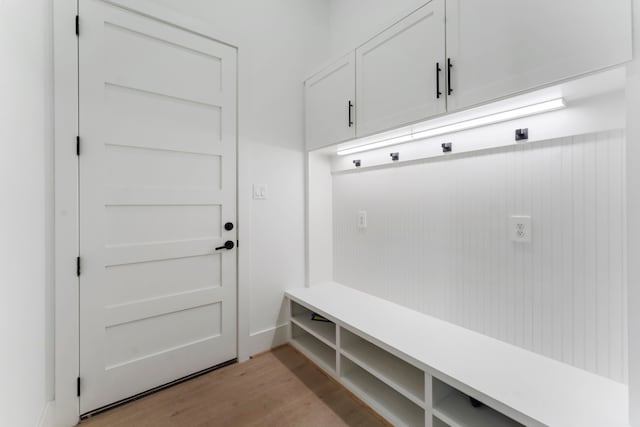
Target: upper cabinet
pixel 330 104
pixel 501 47
pixel 400 73
pixel 449 55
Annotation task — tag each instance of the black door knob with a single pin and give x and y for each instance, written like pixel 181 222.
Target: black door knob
pixel 227 245
pixel 228 226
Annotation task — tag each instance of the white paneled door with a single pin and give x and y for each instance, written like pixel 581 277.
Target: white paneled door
pixel 157 189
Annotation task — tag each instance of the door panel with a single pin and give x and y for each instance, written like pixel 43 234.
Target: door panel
pixel 327 98
pixel 502 47
pixel 153 124
pixel 396 72
pixel 169 277
pixel 157 181
pixel 151 59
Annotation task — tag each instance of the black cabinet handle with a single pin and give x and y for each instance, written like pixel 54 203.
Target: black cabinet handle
pixel 227 245
pixel 350 110
pixel 438 70
pixel 449 67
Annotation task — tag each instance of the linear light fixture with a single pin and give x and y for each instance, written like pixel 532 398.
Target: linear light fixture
pixel 489 119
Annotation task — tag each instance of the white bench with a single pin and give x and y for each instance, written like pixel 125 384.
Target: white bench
pixel 416 370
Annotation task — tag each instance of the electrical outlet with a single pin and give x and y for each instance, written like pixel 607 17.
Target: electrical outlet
pixel 362 220
pixel 259 192
pixel 520 228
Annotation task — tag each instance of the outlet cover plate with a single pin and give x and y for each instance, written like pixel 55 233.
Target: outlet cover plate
pixel 520 228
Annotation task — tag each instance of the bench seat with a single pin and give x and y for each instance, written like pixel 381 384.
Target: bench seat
pixel 524 386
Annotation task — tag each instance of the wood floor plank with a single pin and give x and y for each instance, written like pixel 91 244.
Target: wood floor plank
pixel 279 388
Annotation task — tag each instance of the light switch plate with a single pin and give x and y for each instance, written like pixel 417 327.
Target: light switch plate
pixel 259 191
pixel 520 228
pixel 362 220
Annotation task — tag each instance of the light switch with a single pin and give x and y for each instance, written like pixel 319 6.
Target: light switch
pixel 362 220
pixel 259 191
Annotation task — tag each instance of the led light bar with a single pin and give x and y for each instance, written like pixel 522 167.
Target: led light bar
pixel 502 116
pixel 377 144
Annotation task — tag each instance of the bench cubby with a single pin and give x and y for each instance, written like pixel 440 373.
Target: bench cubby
pixel 403 377
pixel 315 349
pixel 392 405
pixel 323 331
pixel 453 408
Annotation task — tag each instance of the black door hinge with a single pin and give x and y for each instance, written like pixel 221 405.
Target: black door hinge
pixel 78 266
pixel 238 243
pixel 77 25
pixel 78 387
pixel 77 145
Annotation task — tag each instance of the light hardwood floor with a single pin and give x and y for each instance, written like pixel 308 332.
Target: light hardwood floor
pixel 279 388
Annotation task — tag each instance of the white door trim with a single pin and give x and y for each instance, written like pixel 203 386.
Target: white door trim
pixel 66 218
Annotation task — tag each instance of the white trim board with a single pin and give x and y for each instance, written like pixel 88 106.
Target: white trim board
pixel 66 199
pixel 269 338
pixel 66 212
pixel 47 418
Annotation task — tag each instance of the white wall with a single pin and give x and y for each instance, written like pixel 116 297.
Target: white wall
pixel 280 42
pixel 352 22
pixel 25 211
pixel 438 242
pixel 633 218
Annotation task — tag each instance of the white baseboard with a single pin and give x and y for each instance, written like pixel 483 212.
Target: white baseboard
pixel 267 339
pixel 47 418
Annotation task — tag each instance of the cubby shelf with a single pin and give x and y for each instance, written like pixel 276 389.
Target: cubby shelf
pixel 324 331
pixel 319 352
pixel 456 411
pixel 398 374
pixel 383 399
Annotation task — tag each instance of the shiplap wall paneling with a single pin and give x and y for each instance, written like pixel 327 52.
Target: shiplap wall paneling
pixel 438 241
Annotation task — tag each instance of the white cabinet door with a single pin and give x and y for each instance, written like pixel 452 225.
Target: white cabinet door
pixel 330 104
pixel 502 47
pixel 396 72
pixel 157 183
